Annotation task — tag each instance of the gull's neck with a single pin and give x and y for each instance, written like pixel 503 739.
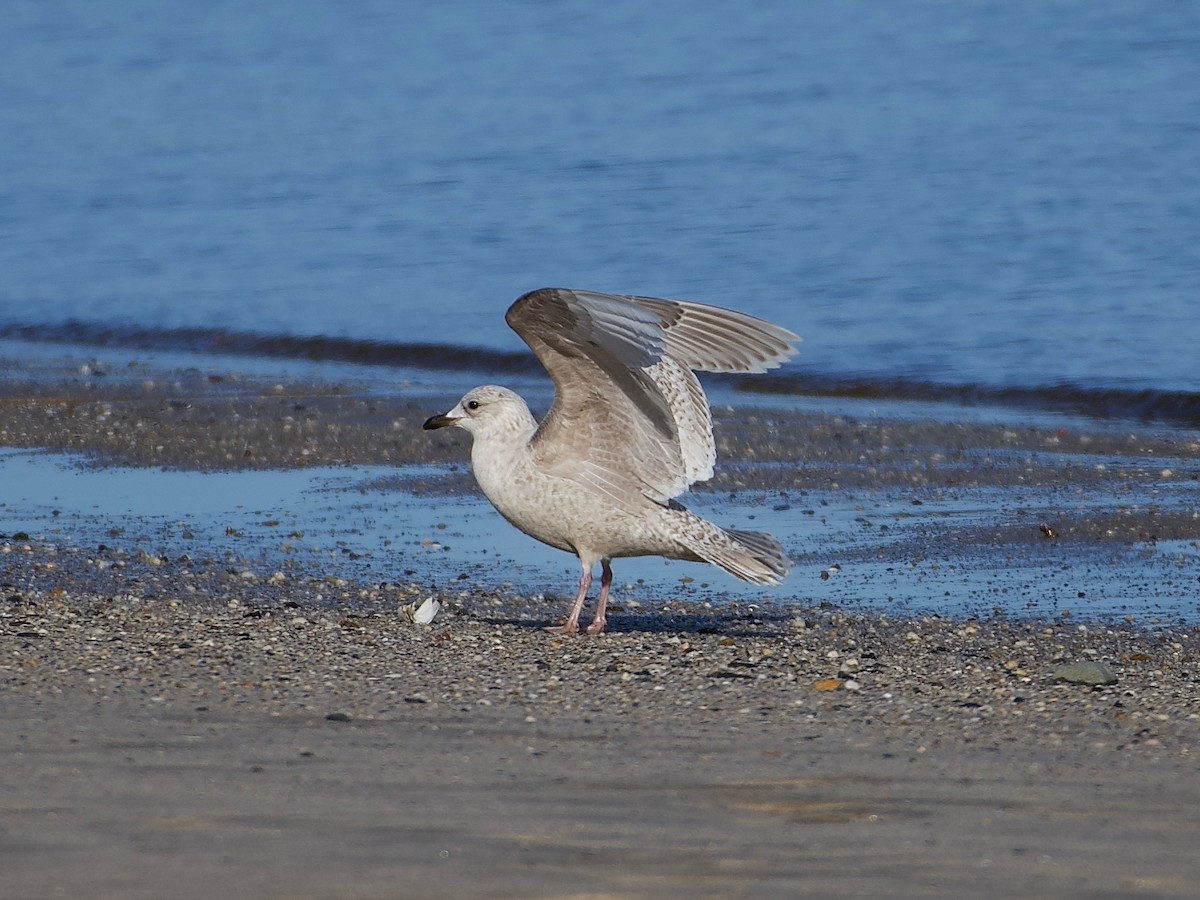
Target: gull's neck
pixel 502 461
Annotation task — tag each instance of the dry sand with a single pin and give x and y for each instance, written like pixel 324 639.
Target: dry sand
pixel 175 728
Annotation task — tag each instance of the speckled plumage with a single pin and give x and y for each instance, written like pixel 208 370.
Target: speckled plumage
pixel 629 430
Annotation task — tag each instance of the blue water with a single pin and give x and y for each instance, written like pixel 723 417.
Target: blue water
pixel 360 523
pixel 1003 195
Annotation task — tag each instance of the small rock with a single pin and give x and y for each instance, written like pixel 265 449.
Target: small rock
pixel 1088 672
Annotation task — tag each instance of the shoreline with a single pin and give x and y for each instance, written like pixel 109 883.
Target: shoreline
pixel 288 734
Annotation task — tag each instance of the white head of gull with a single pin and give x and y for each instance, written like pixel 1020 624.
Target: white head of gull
pixel 630 429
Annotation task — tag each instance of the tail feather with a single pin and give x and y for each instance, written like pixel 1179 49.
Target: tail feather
pixel 752 556
pixel 769 563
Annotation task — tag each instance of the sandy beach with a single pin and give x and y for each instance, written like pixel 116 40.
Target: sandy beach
pixel 193 724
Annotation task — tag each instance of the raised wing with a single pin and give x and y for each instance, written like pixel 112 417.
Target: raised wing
pixel 628 413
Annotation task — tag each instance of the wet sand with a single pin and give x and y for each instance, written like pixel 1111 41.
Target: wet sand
pixel 179 726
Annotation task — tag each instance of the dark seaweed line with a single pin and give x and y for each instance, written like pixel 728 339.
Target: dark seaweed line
pixel 1173 407
pixel 1145 405
pixel 247 343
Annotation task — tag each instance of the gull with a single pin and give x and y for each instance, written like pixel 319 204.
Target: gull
pixel 629 430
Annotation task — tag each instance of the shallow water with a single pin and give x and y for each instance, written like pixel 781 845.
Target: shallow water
pixel 982 196
pixel 884 554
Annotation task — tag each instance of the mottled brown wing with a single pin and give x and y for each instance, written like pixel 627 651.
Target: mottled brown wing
pixel 610 426
pixel 628 413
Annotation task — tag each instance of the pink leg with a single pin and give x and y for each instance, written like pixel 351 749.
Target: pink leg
pixel 598 623
pixel 571 626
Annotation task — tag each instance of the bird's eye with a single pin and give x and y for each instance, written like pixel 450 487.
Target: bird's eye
pixel 472 404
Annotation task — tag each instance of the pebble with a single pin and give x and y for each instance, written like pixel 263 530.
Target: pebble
pixel 1086 672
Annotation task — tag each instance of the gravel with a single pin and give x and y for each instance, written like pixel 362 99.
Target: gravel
pixel 191 632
